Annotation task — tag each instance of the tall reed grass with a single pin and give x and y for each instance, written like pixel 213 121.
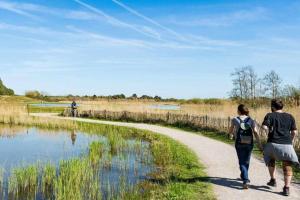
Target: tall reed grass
pixel 223 109
pixel 17 114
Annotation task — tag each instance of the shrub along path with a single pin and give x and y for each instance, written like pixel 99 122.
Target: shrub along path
pixel 221 163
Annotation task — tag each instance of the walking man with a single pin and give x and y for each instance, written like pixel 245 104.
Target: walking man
pixel 282 130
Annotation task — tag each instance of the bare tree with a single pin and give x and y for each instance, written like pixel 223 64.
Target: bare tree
pixel 245 82
pixel 272 83
pixel 253 81
pixel 238 83
pixel 260 88
pixel 291 94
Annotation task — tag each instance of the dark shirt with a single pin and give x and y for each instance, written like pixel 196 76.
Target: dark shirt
pixel 73 105
pixel 280 126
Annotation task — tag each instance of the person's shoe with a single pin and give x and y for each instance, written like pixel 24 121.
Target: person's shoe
pixel 272 183
pixel 286 191
pixel 245 186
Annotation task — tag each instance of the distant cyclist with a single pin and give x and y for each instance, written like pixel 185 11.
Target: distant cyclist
pixel 243 128
pixel 74 109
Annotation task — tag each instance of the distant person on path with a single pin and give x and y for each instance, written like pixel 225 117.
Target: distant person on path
pixel 74 109
pixel 243 128
pixel 282 130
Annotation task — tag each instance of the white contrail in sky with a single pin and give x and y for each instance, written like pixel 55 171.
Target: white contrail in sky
pixel 177 35
pixel 13 7
pixel 116 22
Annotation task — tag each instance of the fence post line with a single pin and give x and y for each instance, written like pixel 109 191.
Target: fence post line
pixel 228 123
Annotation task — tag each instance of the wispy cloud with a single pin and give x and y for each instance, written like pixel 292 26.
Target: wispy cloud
pixel 81 15
pixel 148 19
pixel 36 30
pixel 227 19
pixel 163 34
pixel 186 40
pixel 201 40
pixel 16 8
pixel 116 22
pixel 26 9
pixel 112 41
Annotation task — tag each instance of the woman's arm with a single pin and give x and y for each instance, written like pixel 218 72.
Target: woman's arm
pixel 255 131
pixel 231 130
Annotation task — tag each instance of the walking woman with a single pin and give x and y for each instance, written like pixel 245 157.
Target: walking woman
pixel 243 128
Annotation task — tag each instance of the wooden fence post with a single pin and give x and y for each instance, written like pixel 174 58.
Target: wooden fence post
pixel 228 123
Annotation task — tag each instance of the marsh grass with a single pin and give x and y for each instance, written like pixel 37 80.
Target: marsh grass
pixel 2 182
pixel 77 180
pixel 48 181
pixel 23 183
pixel 95 153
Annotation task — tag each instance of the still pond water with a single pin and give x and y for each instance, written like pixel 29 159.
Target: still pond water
pixel 64 105
pixel 21 147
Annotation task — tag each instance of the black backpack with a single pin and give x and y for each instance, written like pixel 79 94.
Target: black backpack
pixel 245 132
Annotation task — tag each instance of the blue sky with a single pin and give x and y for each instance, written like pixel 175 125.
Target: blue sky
pixel 171 48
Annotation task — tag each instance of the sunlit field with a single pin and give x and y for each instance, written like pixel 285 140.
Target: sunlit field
pixel 223 110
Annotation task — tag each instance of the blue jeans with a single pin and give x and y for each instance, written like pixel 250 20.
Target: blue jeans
pixel 244 154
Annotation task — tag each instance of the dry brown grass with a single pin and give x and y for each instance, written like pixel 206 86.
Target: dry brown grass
pixel 16 114
pixel 225 110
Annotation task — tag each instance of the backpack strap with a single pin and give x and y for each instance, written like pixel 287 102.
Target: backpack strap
pixel 240 120
pixel 247 120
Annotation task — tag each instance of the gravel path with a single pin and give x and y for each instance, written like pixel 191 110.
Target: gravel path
pixel 221 164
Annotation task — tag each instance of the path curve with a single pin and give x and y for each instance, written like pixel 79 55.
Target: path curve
pixel 220 161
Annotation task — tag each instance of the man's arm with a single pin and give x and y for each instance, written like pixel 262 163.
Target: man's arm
pixel 294 133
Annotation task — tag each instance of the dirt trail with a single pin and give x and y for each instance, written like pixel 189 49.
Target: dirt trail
pixel 221 162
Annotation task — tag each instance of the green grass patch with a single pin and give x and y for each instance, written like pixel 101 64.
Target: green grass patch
pixel 36 109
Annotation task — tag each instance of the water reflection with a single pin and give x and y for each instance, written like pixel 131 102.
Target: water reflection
pixel 10 131
pixel 119 171
pixel 73 137
pixel 22 145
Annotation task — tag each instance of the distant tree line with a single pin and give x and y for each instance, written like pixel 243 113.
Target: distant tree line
pixel 4 90
pixel 247 85
pixel 119 96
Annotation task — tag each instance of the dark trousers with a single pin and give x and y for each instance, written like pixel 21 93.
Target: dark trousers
pixel 244 154
pixel 74 112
